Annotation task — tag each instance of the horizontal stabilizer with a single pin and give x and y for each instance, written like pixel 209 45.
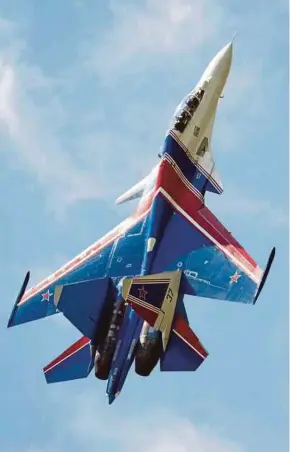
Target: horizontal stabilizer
pixel 74 363
pixel 184 351
pixel 83 303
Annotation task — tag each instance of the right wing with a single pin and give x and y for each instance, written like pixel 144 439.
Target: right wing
pixel 213 261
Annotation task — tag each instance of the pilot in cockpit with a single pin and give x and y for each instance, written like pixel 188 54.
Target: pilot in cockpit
pixel 193 103
pixel 200 94
pixel 190 107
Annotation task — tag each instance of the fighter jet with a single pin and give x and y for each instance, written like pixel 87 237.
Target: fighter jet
pixel 125 293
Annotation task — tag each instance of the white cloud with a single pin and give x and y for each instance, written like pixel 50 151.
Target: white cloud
pixel 7 113
pixel 156 431
pixel 174 434
pixel 154 29
pixel 33 112
pixel 36 141
pixel 32 115
pixel 90 424
pixel 239 204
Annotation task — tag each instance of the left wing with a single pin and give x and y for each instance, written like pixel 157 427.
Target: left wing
pixel 115 255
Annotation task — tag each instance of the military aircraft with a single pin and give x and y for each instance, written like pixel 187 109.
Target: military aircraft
pixel 125 292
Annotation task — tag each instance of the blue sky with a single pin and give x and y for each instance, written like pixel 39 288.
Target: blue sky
pixel 87 89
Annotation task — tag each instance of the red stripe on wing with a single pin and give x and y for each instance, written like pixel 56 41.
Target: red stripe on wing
pixel 67 353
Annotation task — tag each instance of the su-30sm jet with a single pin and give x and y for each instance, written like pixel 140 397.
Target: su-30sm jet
pixel 125 292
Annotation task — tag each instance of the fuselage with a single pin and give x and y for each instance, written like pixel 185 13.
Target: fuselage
pixel 192 122
pixel 172 245
pixel 176 185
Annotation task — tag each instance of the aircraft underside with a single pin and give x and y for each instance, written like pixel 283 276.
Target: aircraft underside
pixel 103 347
pixel 125 292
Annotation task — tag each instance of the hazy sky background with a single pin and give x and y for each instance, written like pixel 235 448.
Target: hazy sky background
pixel 87 89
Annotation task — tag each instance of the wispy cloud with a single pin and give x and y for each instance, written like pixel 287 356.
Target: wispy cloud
pixel 153 432
pixel 36 142
pixel 74 154
pixel 34 119
pixel 141 33
pixel 241 205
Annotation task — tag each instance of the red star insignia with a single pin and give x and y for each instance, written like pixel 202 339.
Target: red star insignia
pixel 142 293
pixel 46 296
pixel 235 277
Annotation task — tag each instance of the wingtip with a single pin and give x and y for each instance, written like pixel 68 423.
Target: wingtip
pixel 266 273
pixel 18 299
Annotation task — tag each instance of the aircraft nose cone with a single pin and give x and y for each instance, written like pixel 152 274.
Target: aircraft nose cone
pixel 222 61
pixel 219 67
pixel 226 55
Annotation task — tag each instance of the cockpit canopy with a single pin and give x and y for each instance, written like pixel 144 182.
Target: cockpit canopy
pixel 186 110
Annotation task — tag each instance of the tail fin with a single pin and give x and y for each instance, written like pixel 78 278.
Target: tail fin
pixel 74 363
pixel 158 293
pixel 156 299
